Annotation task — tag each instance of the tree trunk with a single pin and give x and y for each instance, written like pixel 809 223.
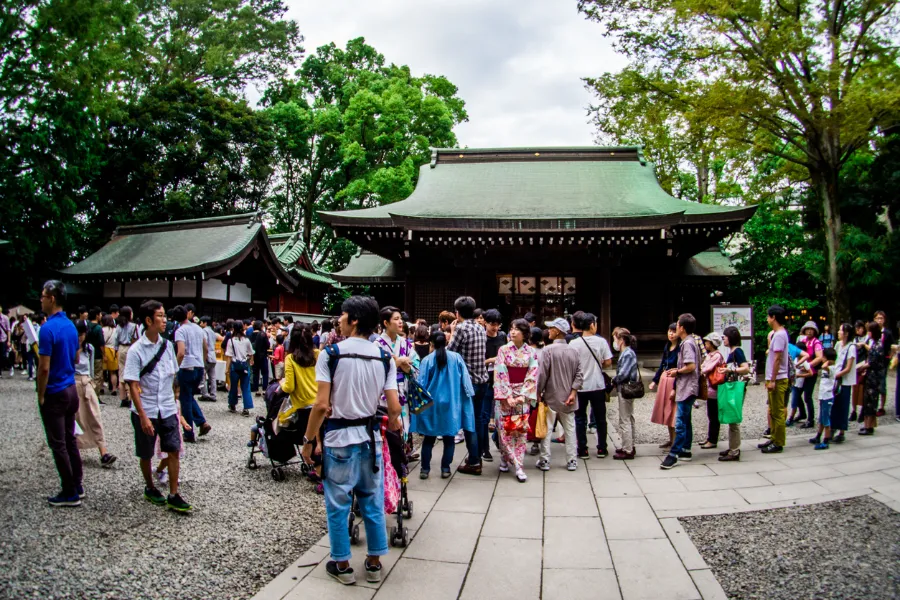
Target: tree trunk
pixel 307 224
pixel 836 296
pixel 703 176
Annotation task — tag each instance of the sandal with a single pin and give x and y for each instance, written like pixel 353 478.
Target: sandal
pixel 666 445
pixel 708 445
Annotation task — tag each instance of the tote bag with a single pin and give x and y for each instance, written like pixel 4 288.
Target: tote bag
pixel 731 402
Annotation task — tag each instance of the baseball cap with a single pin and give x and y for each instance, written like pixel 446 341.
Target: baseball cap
pixel 560 324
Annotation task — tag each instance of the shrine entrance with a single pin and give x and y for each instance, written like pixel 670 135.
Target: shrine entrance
pixel 547 296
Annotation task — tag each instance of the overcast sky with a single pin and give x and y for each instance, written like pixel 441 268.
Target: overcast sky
pixel 518 63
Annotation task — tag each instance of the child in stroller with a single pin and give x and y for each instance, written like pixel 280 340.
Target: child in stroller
pixel 276 440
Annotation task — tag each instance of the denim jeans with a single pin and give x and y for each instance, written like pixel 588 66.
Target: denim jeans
pixel 483 406
pixel 349 469
pixel 446 457
pixel 240 378
pixel 188 380
pixel 29 361
pixel 684 428
pixel 260 366
pixel 596 400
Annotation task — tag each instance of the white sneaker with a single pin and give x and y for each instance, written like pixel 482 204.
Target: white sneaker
pixel 12 372
pixel 504 466
pixel 572 465
pixel 460 437
pixel 543 465
pixel 162 478
pixel 521 476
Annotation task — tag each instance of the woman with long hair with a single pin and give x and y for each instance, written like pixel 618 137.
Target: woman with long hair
pixel 239 359
pixel 515 394
pixel 88 415
pixel 862 343
pixel 664 405
pixel 846 372
pixel 626 371
pixel 126 334
pixel 444 375
pixel 876 372
pixel 300 384
pixel 736 366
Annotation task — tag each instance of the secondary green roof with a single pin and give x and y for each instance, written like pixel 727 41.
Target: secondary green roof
pixel 290 249
pixel 366 267
pixel 537 188
pixel 711 263
pixel 198 247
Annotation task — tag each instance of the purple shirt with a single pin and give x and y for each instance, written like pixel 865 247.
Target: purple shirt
pixel 779 344
pixel 687 385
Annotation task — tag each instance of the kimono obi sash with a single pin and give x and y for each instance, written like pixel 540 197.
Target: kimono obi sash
pixel 517 374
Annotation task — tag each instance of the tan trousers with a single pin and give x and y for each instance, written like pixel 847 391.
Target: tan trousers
pixel 567 420
pixel 98 375
pixel 734 436
pixel 626 423
pixel 88 415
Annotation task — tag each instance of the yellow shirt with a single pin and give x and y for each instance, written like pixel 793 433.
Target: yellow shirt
pixel 300 382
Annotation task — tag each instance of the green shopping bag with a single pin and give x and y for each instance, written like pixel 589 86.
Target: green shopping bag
pixel 731 401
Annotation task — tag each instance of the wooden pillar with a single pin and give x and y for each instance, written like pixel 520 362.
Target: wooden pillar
pixel 409 293
pixel 603 280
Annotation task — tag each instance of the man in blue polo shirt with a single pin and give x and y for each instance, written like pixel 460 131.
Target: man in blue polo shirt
pixel 57 394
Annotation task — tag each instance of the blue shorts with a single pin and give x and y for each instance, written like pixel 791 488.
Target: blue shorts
pixel 825 412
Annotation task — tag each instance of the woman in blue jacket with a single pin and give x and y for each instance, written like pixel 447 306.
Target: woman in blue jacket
pixel 444 375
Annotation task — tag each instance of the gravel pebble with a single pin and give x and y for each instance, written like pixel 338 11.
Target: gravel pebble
pixel 843 549
pixel 245 529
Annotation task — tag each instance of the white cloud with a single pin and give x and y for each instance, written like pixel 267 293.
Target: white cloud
pixel 518 63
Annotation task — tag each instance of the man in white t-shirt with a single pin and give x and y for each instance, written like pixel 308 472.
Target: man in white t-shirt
pixel 594 355
pixel 208 387
pixel 191 349
pixel 351 384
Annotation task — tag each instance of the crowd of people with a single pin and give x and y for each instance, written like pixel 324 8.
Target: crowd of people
pixel 362 386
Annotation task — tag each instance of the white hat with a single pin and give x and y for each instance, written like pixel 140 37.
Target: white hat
pixel 558 323
pixel 714 338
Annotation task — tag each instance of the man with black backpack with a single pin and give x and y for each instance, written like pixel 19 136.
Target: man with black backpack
pixel 352 376
pixel 150 371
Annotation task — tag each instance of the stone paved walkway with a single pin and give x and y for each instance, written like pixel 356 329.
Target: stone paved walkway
pixel 607 530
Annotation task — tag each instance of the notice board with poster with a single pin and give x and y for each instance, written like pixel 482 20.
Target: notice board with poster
pixel 737 315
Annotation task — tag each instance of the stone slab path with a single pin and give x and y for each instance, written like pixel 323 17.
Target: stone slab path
pixel 609 530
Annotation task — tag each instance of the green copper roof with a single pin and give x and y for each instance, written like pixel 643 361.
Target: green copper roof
pixel 537 188
pixel 197 246
pixel 289 249
pixel 366 267
pixel 711 263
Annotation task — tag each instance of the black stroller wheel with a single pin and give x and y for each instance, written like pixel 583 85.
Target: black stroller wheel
pixel 404 538
pixel 278 474
pixel 354 535
pixel 395 537
pixel 251 464
pixel 408 512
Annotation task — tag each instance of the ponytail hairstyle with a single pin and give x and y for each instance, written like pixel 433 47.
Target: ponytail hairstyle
pixel 125 315
pixel 237 328
pixel 627 339
pixel 439 341
pixel 302 345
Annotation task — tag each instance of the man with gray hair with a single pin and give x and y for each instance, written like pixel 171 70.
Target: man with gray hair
pixel 559 380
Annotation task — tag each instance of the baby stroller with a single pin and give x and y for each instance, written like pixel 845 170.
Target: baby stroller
pixel 282 448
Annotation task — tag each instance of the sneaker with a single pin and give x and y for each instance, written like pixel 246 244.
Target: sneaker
pixel 685 456
pixel 521 476
pixel 125 404
pixel 459 438
pixel 178 504
pixel 535 449
pixel 504 466
pixel 765 444
pixel 162 477
pixel 232 409
pixel 583 454
pixel 815 440
pixel 808 425
pixel 79 489
pixel 622 455
pixel 251 443
pixel 853 415
pixel 767 433
pixel 61 500
pixel 107 460
pixel 154 496
pixel 12 372
pixel 424 474
pixel 559 440
pixel 373 574
pixel 344 576
pixel 320 489
pixel 544 465
pixel 205 428
pixel 669 462
pixel 445 474
pixel 728 456
pixel 592 428
pixel 245 413
pixel 880 412
pixel 487 456
pixel 790 422
pixel 822 446
pixel 865 431
pixel 572 465
pixel 30 378
pixel 724 452
pixel 467 469
pixel 772 449
pixel 602 452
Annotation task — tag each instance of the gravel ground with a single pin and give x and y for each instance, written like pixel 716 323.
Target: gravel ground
pixel 245 529
pixel 755 410
pixel 845 549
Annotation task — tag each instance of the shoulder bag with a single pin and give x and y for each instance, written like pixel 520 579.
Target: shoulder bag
pixel 607 380
pixel 836 388
pixel 633 389
pixel 151 366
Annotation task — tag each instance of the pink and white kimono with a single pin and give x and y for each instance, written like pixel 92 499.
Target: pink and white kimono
pixel 515 393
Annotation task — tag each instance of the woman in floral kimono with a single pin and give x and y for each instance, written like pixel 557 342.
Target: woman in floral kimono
pixel 515 394
pixel 406 358
pixel 876 371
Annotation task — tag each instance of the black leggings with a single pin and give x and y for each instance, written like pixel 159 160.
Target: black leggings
pixel 712 413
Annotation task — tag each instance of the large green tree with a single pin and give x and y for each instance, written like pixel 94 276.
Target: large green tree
pixel 350 132
pixel 808 81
